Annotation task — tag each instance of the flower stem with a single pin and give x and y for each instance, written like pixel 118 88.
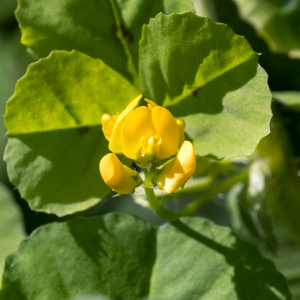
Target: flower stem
pixel 154 202
pixel 192 187
pixel 221 188
pixel 197 203
pixel 130 63
pixel 158 206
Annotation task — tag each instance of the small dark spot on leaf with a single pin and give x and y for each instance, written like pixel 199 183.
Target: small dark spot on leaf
pixel 127 34
pixel 195 92
pixel 83 130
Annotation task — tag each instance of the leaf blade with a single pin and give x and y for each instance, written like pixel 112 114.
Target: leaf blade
pixel 222 260
pixel 108 257
pixel 105 29
pixel 118 255
pixel 55 136
pixel 207 75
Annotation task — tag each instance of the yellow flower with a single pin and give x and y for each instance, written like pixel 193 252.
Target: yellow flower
pixel 117 176
pixel 175 174
pixel 112 126
pixel 180 122
pixel 150 134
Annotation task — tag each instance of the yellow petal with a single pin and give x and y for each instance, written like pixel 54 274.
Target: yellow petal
pixel 108 123
pixel 168 130
pixel 115 140
pixel 117 176
pixel 181 124
pixel 137 128
pixel 175 174
pixel 151 104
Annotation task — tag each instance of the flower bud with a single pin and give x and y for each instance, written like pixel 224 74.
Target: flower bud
pixel 176 173
pixel 117 176
pixel 181 124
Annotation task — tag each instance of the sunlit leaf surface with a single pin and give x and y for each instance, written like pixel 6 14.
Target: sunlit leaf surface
pixel 124 257
pixel 106 29
pixel 204 72
pixel 55 137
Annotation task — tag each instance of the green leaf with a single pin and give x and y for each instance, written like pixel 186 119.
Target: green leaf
pixel 289 98
pixel 208 75
pixel 285 262
pixel 123 257
pixel 55 137
pixel 111 255
pixel 277 22
pixel 105 29
pixel 11 225
pixel 198 259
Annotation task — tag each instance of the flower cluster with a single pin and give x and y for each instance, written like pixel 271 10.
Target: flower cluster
pixel 151 137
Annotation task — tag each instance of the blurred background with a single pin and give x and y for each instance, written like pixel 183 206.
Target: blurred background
pixel 273 175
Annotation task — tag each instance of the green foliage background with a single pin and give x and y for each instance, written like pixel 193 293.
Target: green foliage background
pixel 200 70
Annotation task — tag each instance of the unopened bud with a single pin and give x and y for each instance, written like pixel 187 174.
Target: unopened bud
pixel 117 176
pixel 176 173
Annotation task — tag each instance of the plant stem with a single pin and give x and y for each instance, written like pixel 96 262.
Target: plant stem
pixel 158 206
pixel 192 187
pixel 221 188
pixel 193 206
pixel 154 202
pixel 130 63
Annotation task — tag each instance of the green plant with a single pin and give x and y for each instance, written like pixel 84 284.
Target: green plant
pixel 95 57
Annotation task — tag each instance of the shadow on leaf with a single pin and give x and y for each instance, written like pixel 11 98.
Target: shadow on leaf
pixel 262 281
